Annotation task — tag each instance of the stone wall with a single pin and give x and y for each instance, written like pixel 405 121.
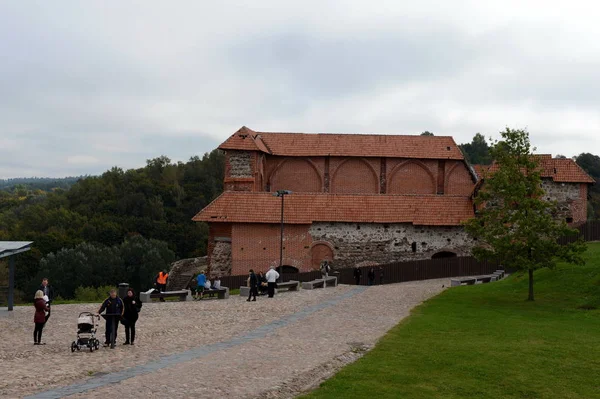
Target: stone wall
pixel 240 164
pixel 220 259
pixel 384 243
pixel 568 199
pixel 183 270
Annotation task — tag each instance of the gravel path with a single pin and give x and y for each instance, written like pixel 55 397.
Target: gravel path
pixel 274 348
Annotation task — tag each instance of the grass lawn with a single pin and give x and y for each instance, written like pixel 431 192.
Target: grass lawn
pixel 486 341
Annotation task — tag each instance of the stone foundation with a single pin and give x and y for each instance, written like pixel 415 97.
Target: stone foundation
pixel 370 243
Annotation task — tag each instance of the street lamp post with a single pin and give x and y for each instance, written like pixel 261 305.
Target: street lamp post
pixel 282 194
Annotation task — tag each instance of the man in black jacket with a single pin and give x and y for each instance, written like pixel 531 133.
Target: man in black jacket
pixel 48 292
pixel 114 311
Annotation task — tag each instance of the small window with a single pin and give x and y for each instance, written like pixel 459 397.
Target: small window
pixel 414 246
pixel 569 220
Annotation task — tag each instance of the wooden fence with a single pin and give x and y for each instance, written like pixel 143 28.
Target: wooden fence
pixel 588 231
pixel 392 272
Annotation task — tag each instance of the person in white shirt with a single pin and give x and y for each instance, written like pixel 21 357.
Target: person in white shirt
pixel 217 284
pixel 207 284
pixel 272 277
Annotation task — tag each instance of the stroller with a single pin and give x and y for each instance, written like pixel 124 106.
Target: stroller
pixel 87 325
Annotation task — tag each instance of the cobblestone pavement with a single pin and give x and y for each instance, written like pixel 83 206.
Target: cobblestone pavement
pixel 273 348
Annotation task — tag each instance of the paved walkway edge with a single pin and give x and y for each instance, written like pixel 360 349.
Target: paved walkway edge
pixel 191 354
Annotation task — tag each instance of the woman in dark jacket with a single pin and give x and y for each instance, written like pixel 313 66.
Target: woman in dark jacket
pixel 132 307
pixel 40 316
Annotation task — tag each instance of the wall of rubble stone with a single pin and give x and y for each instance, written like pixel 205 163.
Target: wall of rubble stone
pixel 571 199
pixel 220 259
pixel 372 243
pixel 240 163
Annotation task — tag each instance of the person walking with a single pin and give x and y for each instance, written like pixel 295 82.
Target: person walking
pixel 272 277
pixel 132 307
pixel 200 281
pixel 114 311
pixel 39 317
pixel 325 269
pixel 371 276
pixel 253 280
pixel 357 275
pixel 49 294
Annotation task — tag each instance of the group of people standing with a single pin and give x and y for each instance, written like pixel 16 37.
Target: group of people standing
pixel 117 310
pixel 126 311
pixel 370 275
pixel 265 283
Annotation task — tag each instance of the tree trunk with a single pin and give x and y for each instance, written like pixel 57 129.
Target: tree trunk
pixel 530 298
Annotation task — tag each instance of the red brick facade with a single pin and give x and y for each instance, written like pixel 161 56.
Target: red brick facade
pixel 340 183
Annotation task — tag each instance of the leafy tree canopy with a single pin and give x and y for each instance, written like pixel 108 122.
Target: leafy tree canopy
pixel 514 224
pixel 156 202
pixel 477 151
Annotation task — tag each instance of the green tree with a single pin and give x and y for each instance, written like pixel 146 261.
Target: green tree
pixel 427 133
pixel 143 259
pixel 514 224
pixel 477 151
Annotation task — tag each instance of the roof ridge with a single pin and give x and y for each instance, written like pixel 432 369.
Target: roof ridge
pixel 358 134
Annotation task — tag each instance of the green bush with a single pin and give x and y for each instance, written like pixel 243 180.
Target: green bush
pixel 92 294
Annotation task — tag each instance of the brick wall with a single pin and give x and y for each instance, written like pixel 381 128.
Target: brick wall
pixel 256 246
pixel 411 177
pixel 458 179
pixel 354 175
pixel 298 175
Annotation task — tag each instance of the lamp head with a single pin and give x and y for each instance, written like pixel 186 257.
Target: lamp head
pixel 281 193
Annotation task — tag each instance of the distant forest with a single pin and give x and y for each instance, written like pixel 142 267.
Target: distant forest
pixel 38 183
pixel 125 225
pixel 137 218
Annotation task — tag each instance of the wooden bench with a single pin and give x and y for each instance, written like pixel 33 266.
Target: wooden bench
pixel 148 296
pixel 221 293
pixel 330 281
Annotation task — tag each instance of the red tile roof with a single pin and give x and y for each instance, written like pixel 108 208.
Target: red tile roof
pixel 301 208
pixel 560 170
pixel 363 145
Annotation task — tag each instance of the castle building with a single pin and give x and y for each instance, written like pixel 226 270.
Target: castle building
pixel 355 199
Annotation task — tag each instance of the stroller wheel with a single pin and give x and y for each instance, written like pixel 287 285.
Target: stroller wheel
pixel 73 346
pixel 96 344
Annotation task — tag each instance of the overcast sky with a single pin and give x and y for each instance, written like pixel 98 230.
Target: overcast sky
pixel 87 85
